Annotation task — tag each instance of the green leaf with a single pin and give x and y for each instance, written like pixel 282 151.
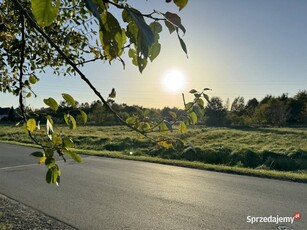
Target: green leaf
pixel 154 51
pixel 113 38
pixel 193 117
pixel 181 3
pixel 32 79
pixel 72 123
pixel 175 20
pixel 94 6
pixel 170 26
pixel 173 114
pixel 73 155
pixel 192 91
pixel 206 97
pixel 142 62
pixel 45 11
pixel 155 27
pixel 163 128
pixel 183 45
pixel 37 154
pixel 200 102
pixel 69 99
pixel 31 125
pixel 52 174
pixel 182 127
pixel 66 118
pixel 84 116
pixel 67 143
pixel 132 54
pixel 49 152
pixel 145 31
pixel 146 126
pixel 51 103
pixel 131 120
pixel 50 162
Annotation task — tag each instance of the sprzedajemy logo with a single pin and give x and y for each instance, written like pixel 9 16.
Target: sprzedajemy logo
pixel 273 219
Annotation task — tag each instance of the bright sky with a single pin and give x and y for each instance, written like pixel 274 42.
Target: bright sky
pixel 236 47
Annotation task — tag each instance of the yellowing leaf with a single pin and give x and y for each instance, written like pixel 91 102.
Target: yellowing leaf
pixel 57 139
pixel 131 120
pixel 45 11
pixel 31 125
pixel 163 128
pixel 181 3
pixel 42 160
pixel 32 79
pixel 193 117
pixel 165 144
pixel 182 127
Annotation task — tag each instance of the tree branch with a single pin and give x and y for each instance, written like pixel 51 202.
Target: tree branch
pixel 31 21
pixel 21 74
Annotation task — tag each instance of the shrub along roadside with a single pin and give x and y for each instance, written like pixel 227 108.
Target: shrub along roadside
pixel 298 176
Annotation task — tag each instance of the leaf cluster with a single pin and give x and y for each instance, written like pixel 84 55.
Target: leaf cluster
pixel 52 141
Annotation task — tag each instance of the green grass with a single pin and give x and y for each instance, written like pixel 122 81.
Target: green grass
pixel 232 150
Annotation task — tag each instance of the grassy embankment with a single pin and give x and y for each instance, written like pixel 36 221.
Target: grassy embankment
pixel 264 152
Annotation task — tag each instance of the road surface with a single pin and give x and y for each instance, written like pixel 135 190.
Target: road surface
pixel 103 193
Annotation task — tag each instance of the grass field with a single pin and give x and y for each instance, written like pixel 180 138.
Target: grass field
pixel 253 151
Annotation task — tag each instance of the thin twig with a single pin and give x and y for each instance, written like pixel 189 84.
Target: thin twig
pixel 22 60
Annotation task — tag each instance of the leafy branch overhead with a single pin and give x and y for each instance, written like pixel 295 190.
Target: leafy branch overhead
pixel 113 38
pixel 59 34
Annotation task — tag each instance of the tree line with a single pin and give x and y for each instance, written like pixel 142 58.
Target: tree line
pixel 270 111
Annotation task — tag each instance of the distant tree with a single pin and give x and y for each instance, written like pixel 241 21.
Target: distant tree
pixel 237 106
pixel 250 107
pixel 12 115
pixel 274 112
pixel 266 99
pixel 297 106
pixel 215 112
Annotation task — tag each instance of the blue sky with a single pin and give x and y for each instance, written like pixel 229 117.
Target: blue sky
pixel 243 48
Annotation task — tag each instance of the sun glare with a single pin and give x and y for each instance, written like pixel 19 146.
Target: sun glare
pixel 173 80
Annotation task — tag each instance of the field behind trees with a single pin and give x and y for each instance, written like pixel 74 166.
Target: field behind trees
pixel 283 149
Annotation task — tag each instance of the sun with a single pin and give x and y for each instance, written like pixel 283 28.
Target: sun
pixel 173 80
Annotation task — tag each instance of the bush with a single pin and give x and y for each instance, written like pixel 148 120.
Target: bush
pixel 284 163
pixel 247 157
pixel 210 155
pixel 126 144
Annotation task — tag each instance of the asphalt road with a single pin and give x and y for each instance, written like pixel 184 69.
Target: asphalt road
pixel 103 193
